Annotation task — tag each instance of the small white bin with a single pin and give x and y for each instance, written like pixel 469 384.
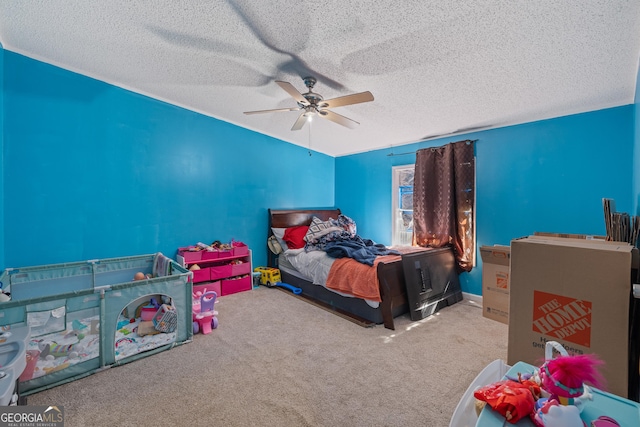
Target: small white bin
pixel 465 413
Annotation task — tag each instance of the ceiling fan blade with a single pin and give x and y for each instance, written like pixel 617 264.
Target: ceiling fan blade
pixel 356 98
pixel 277 110
pixel 291 90
pixel 302 119
pixel 337 118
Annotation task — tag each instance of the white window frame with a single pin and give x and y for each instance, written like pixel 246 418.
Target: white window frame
pixel 398 237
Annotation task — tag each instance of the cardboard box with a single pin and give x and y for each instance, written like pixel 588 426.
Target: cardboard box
pixel 570 236
pixel 576 292
pixel 495 282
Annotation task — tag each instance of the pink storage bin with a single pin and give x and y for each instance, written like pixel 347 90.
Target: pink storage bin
pixel 236 285
pixel 209 255
pixel 220 272
pixel 208 287
pixel 195 256
pixel 239 269
pixel 190 256
pixel 240 249
pixel 202 275
pixel 225 253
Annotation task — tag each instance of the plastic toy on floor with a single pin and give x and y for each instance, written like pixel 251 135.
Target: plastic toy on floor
pixel 271 277
pixel 204 315
pixel 293 289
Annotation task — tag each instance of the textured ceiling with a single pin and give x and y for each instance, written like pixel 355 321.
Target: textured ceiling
pixel 434 66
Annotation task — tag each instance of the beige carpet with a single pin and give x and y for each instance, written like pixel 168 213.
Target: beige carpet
pixel 276 360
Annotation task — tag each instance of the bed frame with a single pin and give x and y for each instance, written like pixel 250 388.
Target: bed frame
pixel 390 278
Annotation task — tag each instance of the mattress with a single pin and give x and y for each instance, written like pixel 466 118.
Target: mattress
pixel 315 266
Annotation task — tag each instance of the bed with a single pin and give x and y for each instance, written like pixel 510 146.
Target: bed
pixel 88 315
pixel 387 275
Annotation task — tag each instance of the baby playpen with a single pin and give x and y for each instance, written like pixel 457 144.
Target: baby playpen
pixel 85 316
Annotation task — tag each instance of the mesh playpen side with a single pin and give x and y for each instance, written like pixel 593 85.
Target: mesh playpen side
pixel 85 316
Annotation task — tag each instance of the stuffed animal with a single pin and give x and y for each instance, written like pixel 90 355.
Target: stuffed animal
pixel 512 399
pixel 552 414
pixel 53 350
pixel 564 377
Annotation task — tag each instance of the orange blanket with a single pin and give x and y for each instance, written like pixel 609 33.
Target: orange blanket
pixel 354 278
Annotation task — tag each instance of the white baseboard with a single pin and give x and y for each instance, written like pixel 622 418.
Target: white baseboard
pixel 472 299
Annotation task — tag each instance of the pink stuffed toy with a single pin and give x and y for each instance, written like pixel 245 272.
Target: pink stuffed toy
pixel 564 376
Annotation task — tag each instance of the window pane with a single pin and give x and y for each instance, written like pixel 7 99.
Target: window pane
pixel 402 227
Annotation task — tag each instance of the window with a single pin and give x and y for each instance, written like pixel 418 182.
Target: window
pixel 402 200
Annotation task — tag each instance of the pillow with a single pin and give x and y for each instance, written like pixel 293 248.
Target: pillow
pixel 319 228
pixel 294 236
pixel 347 224
pixel 279 233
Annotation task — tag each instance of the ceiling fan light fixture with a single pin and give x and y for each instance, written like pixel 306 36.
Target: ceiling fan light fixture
pixel 311 104
pixel 309 112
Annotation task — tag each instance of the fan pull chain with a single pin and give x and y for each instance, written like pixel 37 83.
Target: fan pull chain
pixel 310 122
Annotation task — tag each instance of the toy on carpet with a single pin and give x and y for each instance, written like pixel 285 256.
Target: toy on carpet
pixel 293 289
pixel 204 315
pixel 269 276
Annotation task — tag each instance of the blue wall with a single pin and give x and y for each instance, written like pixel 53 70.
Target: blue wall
pixel 636 148
pixel 95 171
pixel 1 155
pixel 549 176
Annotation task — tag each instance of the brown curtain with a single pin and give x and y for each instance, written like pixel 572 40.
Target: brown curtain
pixel 443 200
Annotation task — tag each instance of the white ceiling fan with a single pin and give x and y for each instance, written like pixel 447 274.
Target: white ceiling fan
pixel 312 104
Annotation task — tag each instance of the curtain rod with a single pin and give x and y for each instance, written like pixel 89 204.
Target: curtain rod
pixel 414 152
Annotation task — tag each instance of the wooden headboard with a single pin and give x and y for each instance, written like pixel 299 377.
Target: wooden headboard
pixel 285 218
